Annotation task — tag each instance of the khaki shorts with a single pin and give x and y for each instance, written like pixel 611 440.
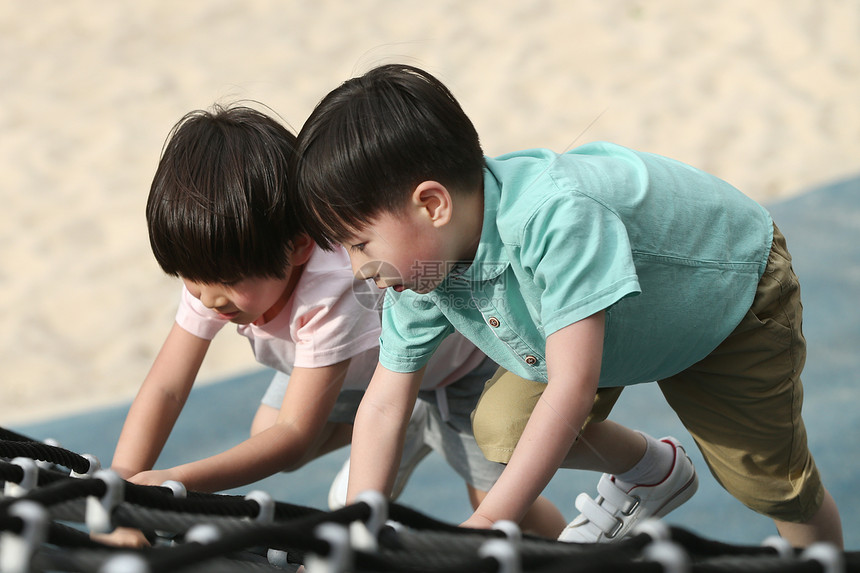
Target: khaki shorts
pixel 741 403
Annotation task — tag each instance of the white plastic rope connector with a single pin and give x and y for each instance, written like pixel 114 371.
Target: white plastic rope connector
pixel 654 528
pixel 363 536
pixel 203 533
pixel 662 550
pixel 266 514
pixel 125 563
pixel 266 503
pixel 16 550
pixel 278 558
pixel 28 482
pixel 179 491
pixel 504 552
pixel 176 487
pixel 95 466
pixel 99 511
pixel 831 559
pixel 781 545
pixel 670 555
pixel 339 558
pixel 512 531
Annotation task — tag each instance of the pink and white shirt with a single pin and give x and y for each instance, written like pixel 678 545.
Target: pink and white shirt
pixel 330 317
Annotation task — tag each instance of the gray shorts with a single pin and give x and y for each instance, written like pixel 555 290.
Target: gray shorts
pixel 452 438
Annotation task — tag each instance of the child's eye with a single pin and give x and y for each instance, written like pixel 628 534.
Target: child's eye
pixel 358 248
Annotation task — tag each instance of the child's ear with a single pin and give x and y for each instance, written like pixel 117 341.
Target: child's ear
pixel 435 202
pixel 302 247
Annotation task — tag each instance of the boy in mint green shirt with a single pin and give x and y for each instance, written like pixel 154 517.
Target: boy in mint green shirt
pixel 578 274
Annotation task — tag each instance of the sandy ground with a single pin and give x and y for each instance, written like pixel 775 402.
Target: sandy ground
pixel 763 94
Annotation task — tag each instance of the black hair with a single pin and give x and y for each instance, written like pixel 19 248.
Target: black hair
pixel 220 207
pixel 372 140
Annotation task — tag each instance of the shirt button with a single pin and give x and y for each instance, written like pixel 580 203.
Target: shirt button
pixel 494 322
pixel 531 360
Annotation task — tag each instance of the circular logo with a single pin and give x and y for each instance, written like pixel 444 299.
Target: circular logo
pixel 366 291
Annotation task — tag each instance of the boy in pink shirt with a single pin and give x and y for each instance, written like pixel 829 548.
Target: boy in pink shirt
pixel 220 216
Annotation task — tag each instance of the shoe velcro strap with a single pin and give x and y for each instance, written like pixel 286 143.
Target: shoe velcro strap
pixel 616 496
pixel 597 514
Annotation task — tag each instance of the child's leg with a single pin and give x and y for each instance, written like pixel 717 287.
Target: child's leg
pixel 757 450
pixel 760 457
pixel 825 524
pixel 643 477
pixel 505 407
pixel 602 446
pixel 606 447
pixel 742 404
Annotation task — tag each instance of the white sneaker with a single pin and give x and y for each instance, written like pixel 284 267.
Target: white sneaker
pixel 612 514
pixel 414 450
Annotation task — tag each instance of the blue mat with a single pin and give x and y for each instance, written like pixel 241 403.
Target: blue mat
pixel 823 232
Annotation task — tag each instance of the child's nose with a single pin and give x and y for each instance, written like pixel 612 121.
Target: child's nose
pixel 360 270
pixel 213 300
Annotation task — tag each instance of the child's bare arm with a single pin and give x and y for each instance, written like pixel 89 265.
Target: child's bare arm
pixel 290 442
pixel 573 363
pixel 380 427
pixel 159 402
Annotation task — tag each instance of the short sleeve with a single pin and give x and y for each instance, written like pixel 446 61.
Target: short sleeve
pixel 413 327
pixel 579 255
pixel 195 318
pixel 330 324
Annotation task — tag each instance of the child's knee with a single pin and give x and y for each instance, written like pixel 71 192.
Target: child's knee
pixel 264 419
pixel 493 435
pixel 502 412
pixel 798 509
pixel 794 495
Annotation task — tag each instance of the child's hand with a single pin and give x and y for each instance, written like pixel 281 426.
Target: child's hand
pixel 477 521
pixel 153 477
pixel 122 537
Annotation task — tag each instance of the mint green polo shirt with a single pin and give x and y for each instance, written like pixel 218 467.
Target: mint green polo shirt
pixel 672 254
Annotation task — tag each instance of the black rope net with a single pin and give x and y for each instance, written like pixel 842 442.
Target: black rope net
pixel 53 499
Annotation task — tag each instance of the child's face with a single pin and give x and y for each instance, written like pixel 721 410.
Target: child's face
pixel 246 301
pixel 399 250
